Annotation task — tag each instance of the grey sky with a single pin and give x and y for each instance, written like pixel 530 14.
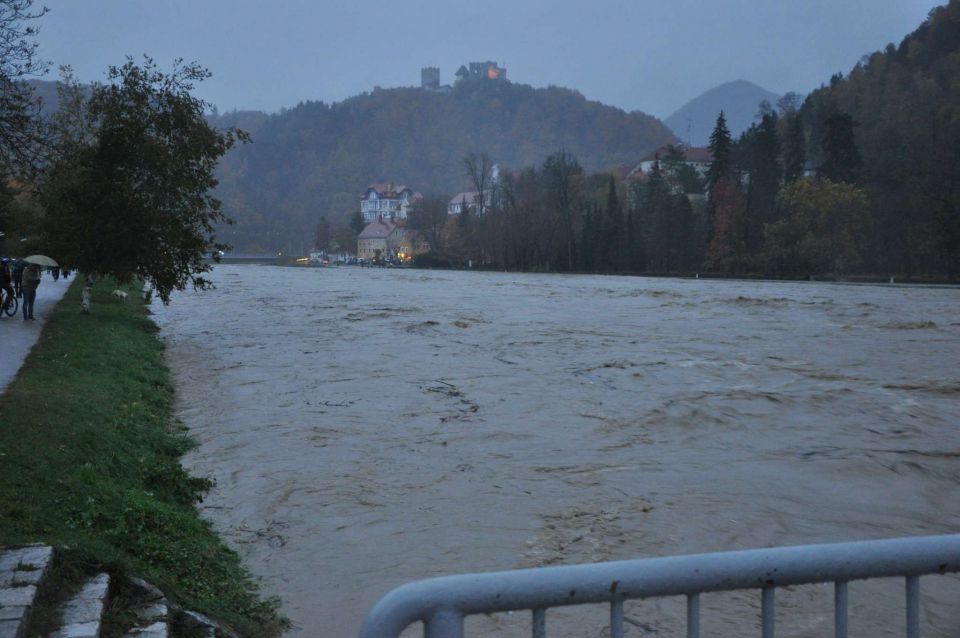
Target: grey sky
pixel 648 55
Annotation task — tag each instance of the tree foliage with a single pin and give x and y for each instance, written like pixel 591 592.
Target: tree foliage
pixel 429 216
pixel 841 157
pixel 728 245
pixel 825 228
pixel 21 133
pixel 134 199
pixel 561 180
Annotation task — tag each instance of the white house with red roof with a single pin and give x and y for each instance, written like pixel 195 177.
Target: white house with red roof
pixel 389 201
pixel 468 200
pixel 698 157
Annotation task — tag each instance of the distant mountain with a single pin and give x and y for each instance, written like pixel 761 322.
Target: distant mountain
pixel 694 121
pixel 316 159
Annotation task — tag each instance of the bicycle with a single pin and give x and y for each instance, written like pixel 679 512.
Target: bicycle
pixel 11 302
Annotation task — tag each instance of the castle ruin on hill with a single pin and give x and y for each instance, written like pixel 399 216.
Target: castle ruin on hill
pixel 430 75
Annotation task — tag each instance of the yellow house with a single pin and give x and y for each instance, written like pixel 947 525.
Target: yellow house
pixel 390 240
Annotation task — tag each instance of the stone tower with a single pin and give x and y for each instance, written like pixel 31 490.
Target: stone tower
pixel 430 78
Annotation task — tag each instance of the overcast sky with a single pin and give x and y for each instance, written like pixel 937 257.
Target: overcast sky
pixel 647 55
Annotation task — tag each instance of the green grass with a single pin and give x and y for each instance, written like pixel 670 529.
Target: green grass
pixel 90 462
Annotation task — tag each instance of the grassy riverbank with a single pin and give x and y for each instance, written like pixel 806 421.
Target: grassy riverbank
pixel 89 462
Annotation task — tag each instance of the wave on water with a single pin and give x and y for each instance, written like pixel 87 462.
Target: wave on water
pixel 909 325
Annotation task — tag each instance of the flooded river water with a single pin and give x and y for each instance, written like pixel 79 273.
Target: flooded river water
pixel 370 427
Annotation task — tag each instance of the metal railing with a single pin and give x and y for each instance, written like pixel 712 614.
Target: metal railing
pixel 443 603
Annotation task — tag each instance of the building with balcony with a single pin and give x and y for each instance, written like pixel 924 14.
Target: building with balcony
pixel 388 201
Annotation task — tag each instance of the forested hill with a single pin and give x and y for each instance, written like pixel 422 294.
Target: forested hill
pixel 316 159
pixel 905 105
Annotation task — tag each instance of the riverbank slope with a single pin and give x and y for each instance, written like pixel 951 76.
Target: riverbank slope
pixel 90 462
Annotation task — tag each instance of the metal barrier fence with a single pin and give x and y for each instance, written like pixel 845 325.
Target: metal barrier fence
pixel 443 603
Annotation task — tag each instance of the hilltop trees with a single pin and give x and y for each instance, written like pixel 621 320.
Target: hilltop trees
pixel 905 99
pixel 132 198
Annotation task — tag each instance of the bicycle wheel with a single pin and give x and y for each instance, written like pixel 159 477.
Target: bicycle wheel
pixel 12 306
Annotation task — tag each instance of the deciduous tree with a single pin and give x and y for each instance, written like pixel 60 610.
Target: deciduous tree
pixel 728 246
pixel 21 130
pixel 561 173
pixel 825 227
pixel 430 217
pixel 136 201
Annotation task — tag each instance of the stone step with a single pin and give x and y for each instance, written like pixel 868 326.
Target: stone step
pixel 83 613
pixel 152 614
pixel 155 630
pixel 22 570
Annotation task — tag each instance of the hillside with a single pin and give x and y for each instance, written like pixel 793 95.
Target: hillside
pixel 316 159
pixel 904 103
pixel 738 100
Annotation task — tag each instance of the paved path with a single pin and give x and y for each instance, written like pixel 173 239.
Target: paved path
pixel 18 336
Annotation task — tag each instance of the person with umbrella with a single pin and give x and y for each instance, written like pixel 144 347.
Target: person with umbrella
pixel 31 279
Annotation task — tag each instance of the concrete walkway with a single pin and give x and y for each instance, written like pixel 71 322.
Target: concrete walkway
pixel 18 336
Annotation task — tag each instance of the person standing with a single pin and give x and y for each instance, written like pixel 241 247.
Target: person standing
pixel 5 279
pixel 31 279
pixel 18 266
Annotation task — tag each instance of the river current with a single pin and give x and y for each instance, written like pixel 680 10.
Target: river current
pixel 369 427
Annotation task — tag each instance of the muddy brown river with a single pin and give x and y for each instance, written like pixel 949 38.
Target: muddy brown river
pixel 370 427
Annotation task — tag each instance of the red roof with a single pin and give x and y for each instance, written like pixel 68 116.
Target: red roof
pixel 390 190
pixel 469 198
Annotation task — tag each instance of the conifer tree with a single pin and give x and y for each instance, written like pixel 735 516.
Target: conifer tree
pixel 760 146
pixel 841 158
pixel 721 146
pixel 656 208
pixel 612 229
pixel 794 154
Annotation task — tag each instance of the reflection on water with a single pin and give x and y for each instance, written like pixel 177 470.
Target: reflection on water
pixel 371 427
